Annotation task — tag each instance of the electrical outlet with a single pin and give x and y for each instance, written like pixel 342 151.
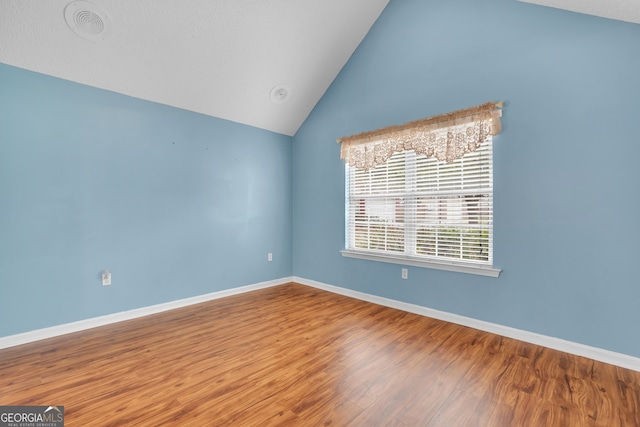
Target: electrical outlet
pixel 269 257
pixel 405 273
pixel 106 278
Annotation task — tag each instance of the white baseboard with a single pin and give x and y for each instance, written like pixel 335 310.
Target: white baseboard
pixel 606 356
pixel 54 331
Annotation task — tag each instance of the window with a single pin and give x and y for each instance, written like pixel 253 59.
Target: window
pixel 418 210
pixel 422 193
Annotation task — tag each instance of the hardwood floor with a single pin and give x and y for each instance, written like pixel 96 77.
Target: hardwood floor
pixel 294 355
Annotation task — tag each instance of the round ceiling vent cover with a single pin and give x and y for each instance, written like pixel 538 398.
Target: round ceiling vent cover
pixel 87 20
pixel 279 94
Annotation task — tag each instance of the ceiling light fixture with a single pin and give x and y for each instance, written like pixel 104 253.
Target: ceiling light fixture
pixel 87 20
pixel 279 94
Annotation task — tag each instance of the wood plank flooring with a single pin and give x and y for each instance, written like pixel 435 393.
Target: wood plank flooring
pixel 295 355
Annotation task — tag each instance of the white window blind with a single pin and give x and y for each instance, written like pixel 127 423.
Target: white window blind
pixel 419 208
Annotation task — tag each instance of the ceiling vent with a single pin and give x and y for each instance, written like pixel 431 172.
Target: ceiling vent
pixel 279 94
pixel 87 20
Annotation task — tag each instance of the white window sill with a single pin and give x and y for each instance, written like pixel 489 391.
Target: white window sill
pixel 416 262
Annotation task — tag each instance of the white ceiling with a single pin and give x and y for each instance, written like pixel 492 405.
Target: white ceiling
pixel 623 10
pixel 217 57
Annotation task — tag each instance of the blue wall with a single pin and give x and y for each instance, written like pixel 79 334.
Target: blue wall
pixel 174 203
pixel 567 202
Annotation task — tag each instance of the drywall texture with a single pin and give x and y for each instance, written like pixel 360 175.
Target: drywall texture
pixel 565 166
pixel 175 204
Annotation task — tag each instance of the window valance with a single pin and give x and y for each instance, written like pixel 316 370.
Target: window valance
pixel 446 137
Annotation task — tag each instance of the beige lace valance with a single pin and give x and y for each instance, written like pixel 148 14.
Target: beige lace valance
pixel 446 137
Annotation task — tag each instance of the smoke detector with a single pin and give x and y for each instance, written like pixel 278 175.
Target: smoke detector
pixel 87 20
pixel 279 94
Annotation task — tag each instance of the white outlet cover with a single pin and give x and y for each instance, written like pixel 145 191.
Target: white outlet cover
pixel 106 278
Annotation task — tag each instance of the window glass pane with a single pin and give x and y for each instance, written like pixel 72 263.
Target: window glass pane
pixel 378 224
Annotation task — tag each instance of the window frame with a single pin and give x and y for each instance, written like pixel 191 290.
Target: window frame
pixel 433 262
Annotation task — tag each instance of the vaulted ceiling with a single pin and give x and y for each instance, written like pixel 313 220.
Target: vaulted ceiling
pixel 622 10
pixel 264 63
pixel 222 58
